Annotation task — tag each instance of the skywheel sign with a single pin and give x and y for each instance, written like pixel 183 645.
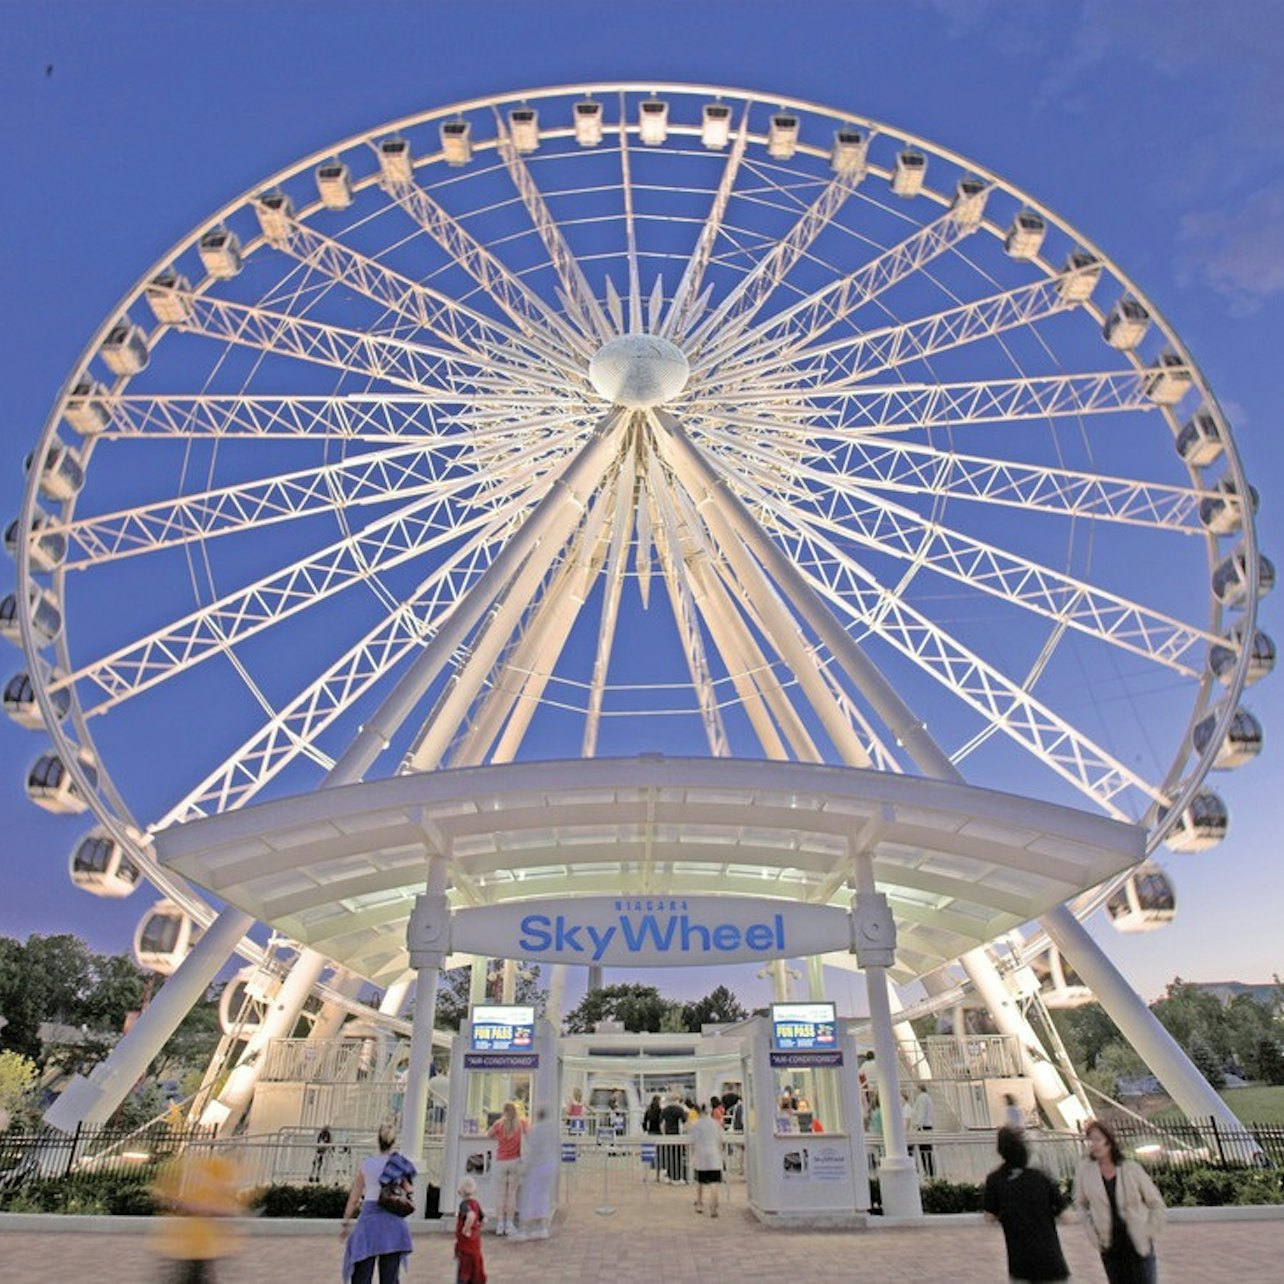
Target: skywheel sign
pixel 651 931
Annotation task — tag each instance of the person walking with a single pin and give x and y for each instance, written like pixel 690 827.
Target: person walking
pixel 1121 1208
pixel 469 1266
pixel 1026 1202
pixel 672 1121
pixel 379 1235
pixel 542 1154
pixel 706 1159
pixel 508 1131
pixel 923 1119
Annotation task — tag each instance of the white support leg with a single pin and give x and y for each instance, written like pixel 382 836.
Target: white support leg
pixel 477 980
pixel 556 988
pixel 1061 1106
pixel 1138 1024
pixel 94 1100
pixel 224 1111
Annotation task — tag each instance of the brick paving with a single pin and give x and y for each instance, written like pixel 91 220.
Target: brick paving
pixel 657 1236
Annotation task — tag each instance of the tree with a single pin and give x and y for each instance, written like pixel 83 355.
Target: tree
pixel 639 1008
pixel 717 1007
pixel 17 1079
pixel 453 991
pixel 59 979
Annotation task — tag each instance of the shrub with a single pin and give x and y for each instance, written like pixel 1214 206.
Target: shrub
pixel 299 1201
pixel 940 1196
pixel 118 1194
pixel 1218 1187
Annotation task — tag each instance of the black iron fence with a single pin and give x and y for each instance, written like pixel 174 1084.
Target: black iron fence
pixel 28 1156
pixel 1201 1145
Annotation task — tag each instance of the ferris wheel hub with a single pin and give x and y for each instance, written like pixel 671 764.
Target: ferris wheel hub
pixel 639 371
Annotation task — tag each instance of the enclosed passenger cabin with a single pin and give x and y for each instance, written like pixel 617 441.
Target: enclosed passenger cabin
pixel 22 707
pixel 849 156
pixel 969 201
pixel 1024 238
pixel 1202 825
pixel 1230 577
pixel 523 129
pixel 1168 379
pixel 334 184
pixel 910 171
pixel 456 142
pixel 1199 443
pixel 588 122
pixel 244 998
pixel 45 553
pixel 46 616
pixel 396 161
pixel 1125 325
pixel 1223 513
pixel 62 473
pixel 164 937
pixel 1241 743
pixel 275 212
pixel 1222 658
pixel 1060 986
pixel 1079 276
pixel 1143 902
pixel 220 252
pixel 782 136
pixel 86 411
pixel 51 785
pixel 99 864
pixel 124 350
pixel 653 121
pixel 715 125
pixel 167 296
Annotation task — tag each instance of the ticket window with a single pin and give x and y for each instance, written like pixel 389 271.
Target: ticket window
pixel 501 1054
pixel 805 1063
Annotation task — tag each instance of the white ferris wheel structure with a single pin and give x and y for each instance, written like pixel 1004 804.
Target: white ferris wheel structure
pixel 645 488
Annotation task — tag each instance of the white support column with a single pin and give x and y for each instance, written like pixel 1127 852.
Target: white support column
pixel 477 980
pixel 874 942
pixel 556 988
pixel 1060 1104
pixel 94 1100
pixel 331 1017
pixel 224 1111
pixel 568 491
pixel 428 938
pixel 1138 1024
pixel 711 490
pixel 509 992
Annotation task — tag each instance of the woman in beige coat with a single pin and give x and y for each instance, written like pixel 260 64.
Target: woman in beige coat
pixel 1120 1207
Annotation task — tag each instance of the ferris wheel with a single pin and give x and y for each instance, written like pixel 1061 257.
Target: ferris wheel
pixel 312 428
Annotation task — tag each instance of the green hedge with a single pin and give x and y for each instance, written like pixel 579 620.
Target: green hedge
pixel 121 1195
pixel 299 1201
pixel 1217 1187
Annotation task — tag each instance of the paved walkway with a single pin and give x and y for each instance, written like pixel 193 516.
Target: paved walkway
pixel 661 1240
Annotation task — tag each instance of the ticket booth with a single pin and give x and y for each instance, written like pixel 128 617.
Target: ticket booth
pixel 502 1054
pixel 805 1143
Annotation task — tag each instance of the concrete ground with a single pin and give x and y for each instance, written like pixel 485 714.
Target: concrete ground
pixel 658 1237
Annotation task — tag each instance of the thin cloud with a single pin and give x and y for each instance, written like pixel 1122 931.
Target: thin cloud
pixel 1239 253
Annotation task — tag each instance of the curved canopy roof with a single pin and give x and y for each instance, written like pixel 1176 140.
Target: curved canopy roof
pixel 338 869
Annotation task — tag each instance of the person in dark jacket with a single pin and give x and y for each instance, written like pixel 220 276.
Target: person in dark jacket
pixel 1026 1202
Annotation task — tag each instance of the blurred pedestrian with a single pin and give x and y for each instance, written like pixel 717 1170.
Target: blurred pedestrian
pixel 1026 1202
pixel 706 1159
pixel 197 1192
pixel 508 1131
pixel 1121 1208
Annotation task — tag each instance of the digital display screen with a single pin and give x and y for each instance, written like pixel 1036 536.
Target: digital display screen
pixel 503 1028
pixel 803 1027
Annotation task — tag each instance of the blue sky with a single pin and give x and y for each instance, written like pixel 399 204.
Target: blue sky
pixel 1152 127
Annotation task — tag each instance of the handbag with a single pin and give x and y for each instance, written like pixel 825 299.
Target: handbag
pixel 395 1199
